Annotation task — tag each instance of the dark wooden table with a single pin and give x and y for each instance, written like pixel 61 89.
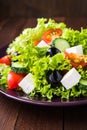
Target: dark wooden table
pixel 20 116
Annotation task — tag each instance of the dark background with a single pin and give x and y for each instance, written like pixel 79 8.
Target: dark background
pixel 43 8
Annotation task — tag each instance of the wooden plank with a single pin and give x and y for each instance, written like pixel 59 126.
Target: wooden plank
pixel 75 118
pixel 39 118
pixel 3 22
pixel 10 30
pixel 8 108
pixel 40 8
pixel 8 113
pixel 33 8
pixel 76 23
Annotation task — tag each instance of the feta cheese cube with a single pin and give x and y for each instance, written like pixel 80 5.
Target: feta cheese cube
pixel 76 49
pixel 71 78
pixel 27 84
pixel 42 44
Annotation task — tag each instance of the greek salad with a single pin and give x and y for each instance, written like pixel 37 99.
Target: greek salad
pixel 47 61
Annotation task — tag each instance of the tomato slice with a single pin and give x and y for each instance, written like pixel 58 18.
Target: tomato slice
pixel 36 43
pixel 50 34
pixel 14 79
pixel 6 60
pixel 76 59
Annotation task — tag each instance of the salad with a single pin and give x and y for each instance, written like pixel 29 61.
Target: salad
pixel 47 61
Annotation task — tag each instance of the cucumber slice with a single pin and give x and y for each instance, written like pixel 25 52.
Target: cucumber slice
pixel 83 82
pixel 18 68
pixel 60 44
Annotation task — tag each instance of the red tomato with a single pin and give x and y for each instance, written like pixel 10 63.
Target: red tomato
pixel 76 59
pixel 14 79
pixel 6 60
pixel 50 34
pixel 36 42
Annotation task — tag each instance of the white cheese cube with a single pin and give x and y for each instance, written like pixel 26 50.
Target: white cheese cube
pixel 71 78
pixel 27 84
pixel 76 49
pixel 42 44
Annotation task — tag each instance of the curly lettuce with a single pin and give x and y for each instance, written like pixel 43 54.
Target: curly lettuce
pixel 40 70
pixel 4 70
pixel 34 34
pixel 76 37
pixel 36 61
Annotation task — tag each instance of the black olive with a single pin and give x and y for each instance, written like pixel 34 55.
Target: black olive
pixel 16 53
pixel 54 78
pixel 52 51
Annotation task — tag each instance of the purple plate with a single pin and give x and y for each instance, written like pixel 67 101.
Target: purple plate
pixel 21 97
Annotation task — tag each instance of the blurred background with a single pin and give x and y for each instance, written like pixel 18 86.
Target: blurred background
pixel 43 8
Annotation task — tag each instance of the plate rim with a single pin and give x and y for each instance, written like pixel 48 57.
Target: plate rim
pixel 44 103
pixel 41 103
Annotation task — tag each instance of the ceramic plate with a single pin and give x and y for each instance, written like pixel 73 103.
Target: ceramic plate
pixel 20 96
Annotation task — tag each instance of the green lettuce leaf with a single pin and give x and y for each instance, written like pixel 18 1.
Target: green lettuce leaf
pixel 4 70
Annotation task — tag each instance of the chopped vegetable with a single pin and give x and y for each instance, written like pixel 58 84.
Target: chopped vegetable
pixel 42 60
pixel 83 82
pixel 4 71
pixel 14 79
pixel 6 60
pixel 51 34
pixel 76 60
pixel 60 44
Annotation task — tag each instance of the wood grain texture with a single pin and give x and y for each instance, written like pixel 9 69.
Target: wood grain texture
pixel 75 118
pixel 10 30
pixel 39 118
pixel 76 23
pixel 43 8
pixel 8 113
